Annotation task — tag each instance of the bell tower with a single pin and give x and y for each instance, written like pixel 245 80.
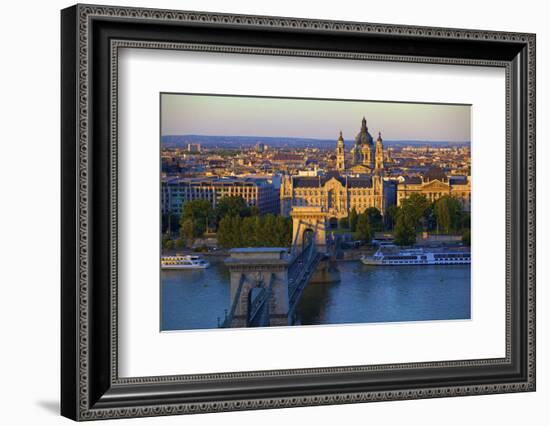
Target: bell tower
pixel 340 154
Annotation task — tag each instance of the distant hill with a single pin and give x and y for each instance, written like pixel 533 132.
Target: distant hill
pixel 180 141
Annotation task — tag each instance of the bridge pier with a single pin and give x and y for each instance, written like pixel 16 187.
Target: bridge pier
pixel 256 273
pixel 327 272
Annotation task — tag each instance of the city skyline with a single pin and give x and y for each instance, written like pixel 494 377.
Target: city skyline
pixel 215 115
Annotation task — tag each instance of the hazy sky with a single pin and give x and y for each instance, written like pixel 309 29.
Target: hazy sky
pixel 248 116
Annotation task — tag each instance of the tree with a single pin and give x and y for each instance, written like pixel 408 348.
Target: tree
pixel 254 231
pixel 283 231
pixel 170 223
pixel 343 223
pixel 200 213
pixel 413 209
pixel 465 220
pixel 167 243
pixel 269 237
pixel 236 231
pixel 232 206
pixel 392 212
pixel 287 237
pixel 430 219
pixel 375 218
pixel 180 243
pixel 229 230
pixel 187 231
pixel 353 220
pixel 442 215
pixel 248 231
pixel 405 232
pixel 448 211
pixel 363 229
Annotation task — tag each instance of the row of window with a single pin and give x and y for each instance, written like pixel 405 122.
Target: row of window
pixel 449 256
pixel 412 261
pixel 401 257
pixel 318 193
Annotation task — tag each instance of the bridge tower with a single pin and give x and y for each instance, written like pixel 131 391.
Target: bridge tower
pixel 259 287
pixel 309 222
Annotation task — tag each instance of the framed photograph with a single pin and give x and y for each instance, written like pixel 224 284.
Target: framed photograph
pixel 263 212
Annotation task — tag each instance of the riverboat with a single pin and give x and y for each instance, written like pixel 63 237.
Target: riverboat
pixel 183 262
pixel 418 256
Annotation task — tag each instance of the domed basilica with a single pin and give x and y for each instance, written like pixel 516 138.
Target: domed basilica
pixel 366 156
pixel 358 182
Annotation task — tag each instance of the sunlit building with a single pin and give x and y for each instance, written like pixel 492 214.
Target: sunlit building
pixel 335 193
pixel 434 184
pixel 257 192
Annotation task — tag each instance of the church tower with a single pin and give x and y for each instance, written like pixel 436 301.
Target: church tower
pixel 379 160
pixel 363 150
pixel 340 154
pixel 367 157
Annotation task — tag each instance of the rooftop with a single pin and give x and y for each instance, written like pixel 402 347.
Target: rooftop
pixel 217 181
pixel 318 181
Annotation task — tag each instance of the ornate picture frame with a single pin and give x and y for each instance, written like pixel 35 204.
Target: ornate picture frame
pixel 90 39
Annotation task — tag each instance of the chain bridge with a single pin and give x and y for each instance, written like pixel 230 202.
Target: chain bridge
pixel 267 283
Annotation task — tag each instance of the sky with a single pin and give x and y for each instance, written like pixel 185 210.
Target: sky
pixel 212 115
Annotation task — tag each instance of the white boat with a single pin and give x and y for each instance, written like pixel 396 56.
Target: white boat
pixel 419 256
pixel 183 262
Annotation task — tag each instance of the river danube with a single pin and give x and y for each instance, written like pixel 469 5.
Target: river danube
pixel 196 299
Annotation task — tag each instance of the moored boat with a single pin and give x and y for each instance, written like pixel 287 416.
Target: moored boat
pixel 419 256
pixel 183 262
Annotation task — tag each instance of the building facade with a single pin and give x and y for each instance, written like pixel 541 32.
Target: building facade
pixel 256 192
pixel 334 193
pixel 434 185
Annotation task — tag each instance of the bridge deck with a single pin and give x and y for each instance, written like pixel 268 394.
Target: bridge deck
pixel 299 274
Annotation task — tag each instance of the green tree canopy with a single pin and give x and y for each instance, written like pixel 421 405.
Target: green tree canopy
pixel 363 230
pixel 167 242
pixel 448 213
pixel 187 231
pixel 283 231
pixel 405 232
pixel 200 213
pixel 465 220
pixel 229 231
pixel 232 206
pixel 353 220
pixel 254 231
pixel 343 223
pixel 413 209
pixel 170 223
pixel 375 218
pixel 392 214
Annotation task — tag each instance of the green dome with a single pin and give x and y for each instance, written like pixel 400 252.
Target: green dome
pixel 364 137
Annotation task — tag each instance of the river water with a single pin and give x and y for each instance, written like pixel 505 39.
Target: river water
pixel 196 299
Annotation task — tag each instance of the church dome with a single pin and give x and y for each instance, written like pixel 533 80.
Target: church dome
pixel 364 137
